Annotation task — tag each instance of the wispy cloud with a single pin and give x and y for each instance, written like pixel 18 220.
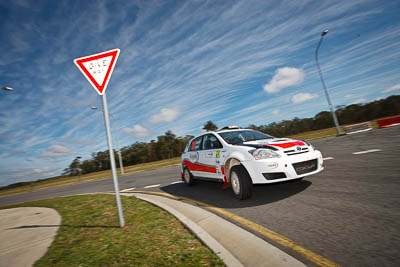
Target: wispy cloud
pixel 276 112
pixel 57 151
pixel 303 97
pixel 76 141
pixel 16 175
pixel 359 101
pixel 138 131
pixel 393 88
pixel 284 77
pixel 165 115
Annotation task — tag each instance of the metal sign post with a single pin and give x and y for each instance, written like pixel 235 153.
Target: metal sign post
pixel 97 69
pixel 112 160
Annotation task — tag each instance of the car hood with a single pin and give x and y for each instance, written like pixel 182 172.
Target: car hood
pixel 274 144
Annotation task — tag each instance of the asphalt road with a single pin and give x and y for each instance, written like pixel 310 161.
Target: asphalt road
pixel 349 213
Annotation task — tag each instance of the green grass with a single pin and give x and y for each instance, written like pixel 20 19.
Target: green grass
pixel 324 133
pixel 90 235
pixel 314 135
pixel 61 181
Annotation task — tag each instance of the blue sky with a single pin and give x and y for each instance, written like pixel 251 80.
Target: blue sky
pixel 181 64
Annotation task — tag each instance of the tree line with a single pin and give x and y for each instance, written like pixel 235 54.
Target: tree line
pixel 350 114
pixel 170 146
pixel 165 147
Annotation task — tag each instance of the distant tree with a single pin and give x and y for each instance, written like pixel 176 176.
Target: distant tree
pixel 210 126
pixel 74 168
pixel 88 166
pixel 66 172
pixel 188 137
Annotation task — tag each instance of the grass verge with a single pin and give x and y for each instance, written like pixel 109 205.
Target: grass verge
pixel 314 135
pixel 324 133
pixel 90 235
pixel 60 181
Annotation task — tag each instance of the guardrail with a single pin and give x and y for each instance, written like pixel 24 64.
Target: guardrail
pixel 389 122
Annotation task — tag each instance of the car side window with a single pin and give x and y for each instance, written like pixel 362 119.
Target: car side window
pixel 195 145
pixel 211 142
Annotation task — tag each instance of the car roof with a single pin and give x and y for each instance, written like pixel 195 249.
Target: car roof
pixel 222 130
pixel 233 130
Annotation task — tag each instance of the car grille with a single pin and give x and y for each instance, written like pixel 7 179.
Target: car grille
pixel 305 166
pixel 292 152
pixel 274 175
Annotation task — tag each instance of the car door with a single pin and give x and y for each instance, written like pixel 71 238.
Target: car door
pixel 193 157
pixel 210 157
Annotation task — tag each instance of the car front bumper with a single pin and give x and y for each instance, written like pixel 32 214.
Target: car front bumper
pixel 284 168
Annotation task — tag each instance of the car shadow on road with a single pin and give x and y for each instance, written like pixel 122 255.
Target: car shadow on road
pixel 212 194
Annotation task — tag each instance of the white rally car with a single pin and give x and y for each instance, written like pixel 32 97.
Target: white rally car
pixel 242 157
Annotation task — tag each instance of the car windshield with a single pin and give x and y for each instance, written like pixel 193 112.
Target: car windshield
pixel 238 137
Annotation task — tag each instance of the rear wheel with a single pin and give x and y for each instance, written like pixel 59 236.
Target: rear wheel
pixel 240 182
pixel 188 177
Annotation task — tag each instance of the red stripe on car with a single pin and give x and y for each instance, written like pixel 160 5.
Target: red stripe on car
pixel 199 168
pixel 287 145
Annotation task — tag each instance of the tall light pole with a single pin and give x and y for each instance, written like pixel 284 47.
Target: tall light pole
pixel 118 147
pixel 335 120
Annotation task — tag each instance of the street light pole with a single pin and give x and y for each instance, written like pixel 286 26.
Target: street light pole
pixel 335 120
pixel 121 166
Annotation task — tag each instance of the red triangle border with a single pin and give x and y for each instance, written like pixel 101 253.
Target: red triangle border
pixel 79 62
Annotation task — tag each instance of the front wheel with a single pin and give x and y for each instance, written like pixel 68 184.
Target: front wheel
pixel 188 177
pixel 241 182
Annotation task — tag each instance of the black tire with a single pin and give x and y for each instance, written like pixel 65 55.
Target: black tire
pixel 188 177
pixel 241 184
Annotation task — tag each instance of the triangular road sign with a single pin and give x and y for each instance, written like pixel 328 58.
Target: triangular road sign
pixel 98 68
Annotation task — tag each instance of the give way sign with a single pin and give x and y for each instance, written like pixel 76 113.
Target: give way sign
pixel 98 68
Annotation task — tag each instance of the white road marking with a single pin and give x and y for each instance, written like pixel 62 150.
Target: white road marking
pixel 154 185
pixel 366 151
pixel 177 182
pixel 328 158
pixel 128 189
pixel 360 131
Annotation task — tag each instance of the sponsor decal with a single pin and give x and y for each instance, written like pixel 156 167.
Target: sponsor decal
pixel 209 154
pixel 193 157
pixel 272 165
pixel 218 153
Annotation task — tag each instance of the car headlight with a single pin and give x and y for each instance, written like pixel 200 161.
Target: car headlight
pixel 310 145
pixel 264 154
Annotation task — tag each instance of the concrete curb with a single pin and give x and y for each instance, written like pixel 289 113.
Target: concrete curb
pixel 207 239
pixel 234 245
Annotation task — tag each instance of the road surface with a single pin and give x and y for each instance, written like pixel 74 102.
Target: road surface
pixel 349 213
